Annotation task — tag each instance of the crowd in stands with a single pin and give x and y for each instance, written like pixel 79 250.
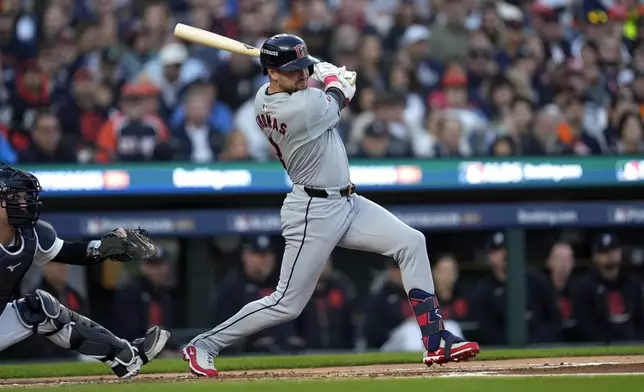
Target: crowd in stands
pixel 105 80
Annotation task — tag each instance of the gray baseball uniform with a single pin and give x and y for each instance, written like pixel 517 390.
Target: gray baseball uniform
pixel 301 128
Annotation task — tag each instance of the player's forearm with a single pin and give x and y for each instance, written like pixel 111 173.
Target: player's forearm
pixel 338 96
pixel 78 253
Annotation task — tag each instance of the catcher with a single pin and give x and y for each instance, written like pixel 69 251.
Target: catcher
pixel 25 240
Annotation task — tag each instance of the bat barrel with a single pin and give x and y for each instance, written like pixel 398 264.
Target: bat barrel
pixel 207 38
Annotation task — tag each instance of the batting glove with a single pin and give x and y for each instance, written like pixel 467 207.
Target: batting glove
pixel 348 86
pixel 328 74
pixel 350 76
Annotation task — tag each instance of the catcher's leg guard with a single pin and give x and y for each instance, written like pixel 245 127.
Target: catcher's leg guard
pixel 65 328
pixel 150 345
pixel 442 346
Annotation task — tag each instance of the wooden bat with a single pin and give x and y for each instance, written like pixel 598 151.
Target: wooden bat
pixel 213 40
pixel 207 38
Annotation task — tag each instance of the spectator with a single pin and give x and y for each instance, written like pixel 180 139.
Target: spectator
pixel 132 135
pixel 370 65
pixel 449 35
pixel 18 38
pixel 54 22
pixel 236 148
pixel 80 116
pixel 630 133
pixel 155 24
pixel 572 132
pixel 196 138
pixel 454 305
pixel 504 147
pixel 560 265
pixel 455 104
pixel 386 119
pixel 415 56
pixel 317 28
pixel 404 17
pixel 237 80
pixel 145 300
pixel 31 89
pixel 221 117
pixel 480 65
pixel 541 315
pixel 544 140
pixel 450 136
pixel 48 143
pixel 501 95
pixel 115 68
pixel 387 307
pixel 608 302
pixel 171 73
pixel 619 106
pixel 326 322
pixel 256 279
pixel 378 142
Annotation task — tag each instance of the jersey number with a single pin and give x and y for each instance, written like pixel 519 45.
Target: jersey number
pixel 278 152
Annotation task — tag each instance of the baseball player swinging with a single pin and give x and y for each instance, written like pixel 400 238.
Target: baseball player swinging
pixel 322 210
pixel 25 240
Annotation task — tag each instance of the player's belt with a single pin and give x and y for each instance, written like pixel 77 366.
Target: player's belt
pixel 322 193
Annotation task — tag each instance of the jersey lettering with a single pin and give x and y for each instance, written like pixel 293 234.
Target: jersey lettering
pixel 268 123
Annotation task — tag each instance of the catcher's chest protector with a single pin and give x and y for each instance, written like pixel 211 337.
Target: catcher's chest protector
pixel 16 260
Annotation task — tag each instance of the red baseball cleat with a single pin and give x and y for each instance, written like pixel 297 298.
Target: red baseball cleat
pixel 451 349
pixel 201 363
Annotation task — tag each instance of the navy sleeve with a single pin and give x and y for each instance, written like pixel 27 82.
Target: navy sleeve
pixel 338 95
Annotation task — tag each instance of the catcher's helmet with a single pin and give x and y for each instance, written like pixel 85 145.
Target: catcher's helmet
pixel 286 52
pixel 20 196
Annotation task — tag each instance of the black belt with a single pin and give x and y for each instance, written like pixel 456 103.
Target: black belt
pixel 322 193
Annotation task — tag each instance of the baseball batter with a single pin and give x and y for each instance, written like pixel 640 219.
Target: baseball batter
pixel 322 210
pixel 25 240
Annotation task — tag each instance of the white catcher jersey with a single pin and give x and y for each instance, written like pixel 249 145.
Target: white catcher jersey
pixel 301 127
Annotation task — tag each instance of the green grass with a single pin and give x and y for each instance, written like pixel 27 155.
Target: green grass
pixel 299 361
pixel 536 384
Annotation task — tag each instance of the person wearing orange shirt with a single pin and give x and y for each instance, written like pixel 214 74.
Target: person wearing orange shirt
pixel 135 132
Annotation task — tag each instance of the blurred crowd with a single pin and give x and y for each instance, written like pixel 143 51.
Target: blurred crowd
pixel 105 80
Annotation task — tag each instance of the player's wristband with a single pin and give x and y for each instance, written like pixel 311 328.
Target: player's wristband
pixel 332 81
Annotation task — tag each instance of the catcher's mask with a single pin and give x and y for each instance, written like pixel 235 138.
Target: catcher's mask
pixel 20 197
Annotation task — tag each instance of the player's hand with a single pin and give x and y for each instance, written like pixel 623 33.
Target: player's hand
pixel 348 87
pixel 325 72
pixel 350 76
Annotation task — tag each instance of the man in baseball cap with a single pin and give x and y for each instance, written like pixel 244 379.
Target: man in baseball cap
pixel 607 301
pixel 607 255
pixel 490 302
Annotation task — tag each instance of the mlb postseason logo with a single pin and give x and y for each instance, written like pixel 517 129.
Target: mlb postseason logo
pixel 490 173
pixel 627 215
pixel 629 171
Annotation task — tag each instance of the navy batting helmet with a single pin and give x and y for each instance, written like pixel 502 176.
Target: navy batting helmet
pixel 286 52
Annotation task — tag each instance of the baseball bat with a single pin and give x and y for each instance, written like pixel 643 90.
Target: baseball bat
pixel 207 38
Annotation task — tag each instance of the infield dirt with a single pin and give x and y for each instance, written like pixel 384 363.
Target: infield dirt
pixel 515 367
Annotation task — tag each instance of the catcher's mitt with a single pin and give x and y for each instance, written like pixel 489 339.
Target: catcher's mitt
pixel 136 245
